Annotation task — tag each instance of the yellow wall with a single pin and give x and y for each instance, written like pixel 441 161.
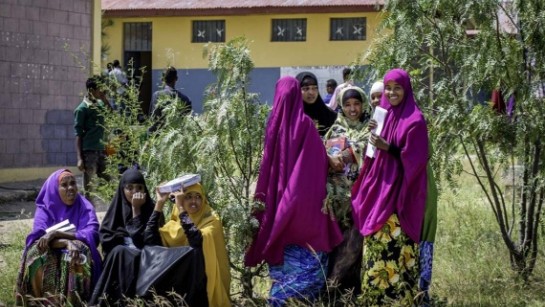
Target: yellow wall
pixel 96 39
pixel 172 45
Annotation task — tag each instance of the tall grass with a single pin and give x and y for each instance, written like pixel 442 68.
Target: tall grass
pixel 471 264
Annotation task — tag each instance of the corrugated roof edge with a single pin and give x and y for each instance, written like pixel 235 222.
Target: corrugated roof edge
pixel 167 12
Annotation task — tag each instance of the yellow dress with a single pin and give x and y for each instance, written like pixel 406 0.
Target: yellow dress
pixel 215 254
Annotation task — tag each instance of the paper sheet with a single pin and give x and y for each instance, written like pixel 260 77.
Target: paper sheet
pixel 379 116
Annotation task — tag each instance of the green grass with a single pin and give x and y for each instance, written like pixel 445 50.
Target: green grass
pixel 471 264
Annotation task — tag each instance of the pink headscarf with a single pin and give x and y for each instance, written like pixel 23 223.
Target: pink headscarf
pixel 388 184
pixel 291 183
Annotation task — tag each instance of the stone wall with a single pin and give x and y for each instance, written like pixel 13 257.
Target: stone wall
pixel 44 54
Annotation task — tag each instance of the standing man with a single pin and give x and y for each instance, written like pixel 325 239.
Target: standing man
pixel 166 96
pixel 120 82
pixel 330 86
pixel 347 78
pixel 89 130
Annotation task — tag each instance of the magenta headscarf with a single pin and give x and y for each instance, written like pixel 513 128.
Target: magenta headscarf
pixel 388 184
pixel 291 183
pixel 50 210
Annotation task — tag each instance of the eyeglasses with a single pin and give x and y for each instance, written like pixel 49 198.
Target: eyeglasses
pixel 134 187
pixel 313 88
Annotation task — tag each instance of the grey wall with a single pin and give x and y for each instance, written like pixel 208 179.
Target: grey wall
pixel 40 82
pixel 193 82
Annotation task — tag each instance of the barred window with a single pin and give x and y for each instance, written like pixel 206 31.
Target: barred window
pixel 137 36
pixel 289 30
pixel 348 29
pixel 205 31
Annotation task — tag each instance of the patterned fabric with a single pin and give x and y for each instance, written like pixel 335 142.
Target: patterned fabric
pixel 390 267
pixel 426 267
pixel 338 202
pixel 302 275
pixel 63 282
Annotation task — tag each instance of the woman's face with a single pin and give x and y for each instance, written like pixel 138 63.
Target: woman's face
pixel 192 202
pixel 131 188
pixel 68 190
pixel 309 90
pixel 352 108
pixel 394 92
pixel 375 99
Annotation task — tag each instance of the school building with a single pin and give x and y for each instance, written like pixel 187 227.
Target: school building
pixel 287 36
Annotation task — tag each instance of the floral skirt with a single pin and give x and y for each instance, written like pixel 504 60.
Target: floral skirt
pixel 63 281
pixel 302 276
pixel 390 272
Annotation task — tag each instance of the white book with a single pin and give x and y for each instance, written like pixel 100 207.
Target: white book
pixel 379 116
pixel 67 228
pixel 58 226
pixel 180 183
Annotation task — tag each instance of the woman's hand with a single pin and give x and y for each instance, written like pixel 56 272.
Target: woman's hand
pixel 379 142
pixel 336 163
pixel 73 251
pixel 179 200
pixel 161 199
pixel 43 242
pixel 372 125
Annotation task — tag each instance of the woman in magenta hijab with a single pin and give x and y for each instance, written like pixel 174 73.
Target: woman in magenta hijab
pixel 389 197
pixel 295 235
pixel 61 266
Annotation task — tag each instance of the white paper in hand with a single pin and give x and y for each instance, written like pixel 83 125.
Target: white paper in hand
pixel 379 116
pixel 179 183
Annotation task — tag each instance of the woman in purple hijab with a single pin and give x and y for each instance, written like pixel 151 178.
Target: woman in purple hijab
pixel 294 235
pixel 389 197
pixel 60 265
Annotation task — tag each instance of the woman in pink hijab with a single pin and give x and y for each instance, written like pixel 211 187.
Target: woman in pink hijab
pixel 294 235
pixel 389 197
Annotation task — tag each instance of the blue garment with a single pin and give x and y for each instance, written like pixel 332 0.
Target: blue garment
pixel 327 98
pixel 426 266
pixel 302 275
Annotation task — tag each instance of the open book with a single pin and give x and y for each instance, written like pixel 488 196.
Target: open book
pixel 64 226
pixel 180 183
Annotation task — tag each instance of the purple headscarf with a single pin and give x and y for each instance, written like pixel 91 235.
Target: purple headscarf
pixel 291 183
pixel 50 210
pixel 388 184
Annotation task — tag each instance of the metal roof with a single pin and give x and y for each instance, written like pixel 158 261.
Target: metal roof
pixel 230 7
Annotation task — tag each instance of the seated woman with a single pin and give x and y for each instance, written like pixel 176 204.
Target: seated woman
pixel 194 223
pixel 122 237
pixel 58 266
pixel 346 141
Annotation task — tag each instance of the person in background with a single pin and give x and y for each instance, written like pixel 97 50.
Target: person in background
pixel 346 141
pixel 194 223
pixel 389 198
pixel 166 96
pixel 375 94
pixel 294 236
pixel 59 266
pixel 313 104
pixel 334 103
pixel 122 237
pixel 119 82
pixel 89 130
pixel 331 84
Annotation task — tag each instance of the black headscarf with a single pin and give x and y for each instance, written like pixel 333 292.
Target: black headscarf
pixel 318 111
pixel 118 222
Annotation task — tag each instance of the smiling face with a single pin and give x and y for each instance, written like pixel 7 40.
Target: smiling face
pixel 352 109
pixel 375 99
pixel 68 190
pixel 394 92
pixel 192 202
